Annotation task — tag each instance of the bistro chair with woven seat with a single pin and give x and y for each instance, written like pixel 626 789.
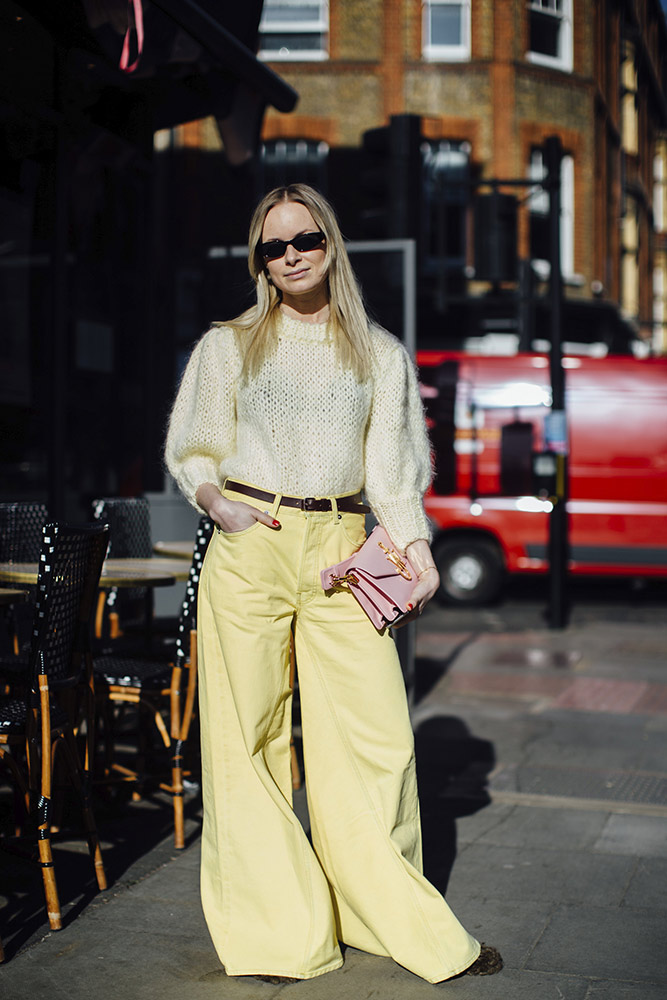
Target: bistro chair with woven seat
pixel 129 538
pixel 20 541
pixel 38 729
pixel 163 691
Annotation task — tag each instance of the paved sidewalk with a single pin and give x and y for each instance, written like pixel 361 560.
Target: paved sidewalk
pixel 543 776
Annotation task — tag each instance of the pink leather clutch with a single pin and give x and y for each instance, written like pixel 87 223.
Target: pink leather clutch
pixel 380 578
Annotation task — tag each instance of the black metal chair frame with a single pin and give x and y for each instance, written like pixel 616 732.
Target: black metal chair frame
pixel 21 526
pixel 129 537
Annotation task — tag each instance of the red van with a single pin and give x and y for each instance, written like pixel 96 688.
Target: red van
pixel 490 504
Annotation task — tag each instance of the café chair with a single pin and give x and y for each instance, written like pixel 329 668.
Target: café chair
pixel 21 525
pixel 21 531
pixel 163 692
pixel 38 728
pixel 129 538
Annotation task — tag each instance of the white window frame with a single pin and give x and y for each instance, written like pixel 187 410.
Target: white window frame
pixel 446 53
pixel 563 60
pixel 539 204
pixel 318 24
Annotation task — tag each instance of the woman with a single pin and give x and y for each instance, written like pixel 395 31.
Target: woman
pixel 283 416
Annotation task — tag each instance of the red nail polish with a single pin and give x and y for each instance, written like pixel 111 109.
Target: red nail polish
pixel 409 607
pixel 276 524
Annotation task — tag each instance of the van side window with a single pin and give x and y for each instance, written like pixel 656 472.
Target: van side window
pixel 516 459
pixel 440 411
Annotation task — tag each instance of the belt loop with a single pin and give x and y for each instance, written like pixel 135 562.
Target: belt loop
pixel 275 505
pixel 335 516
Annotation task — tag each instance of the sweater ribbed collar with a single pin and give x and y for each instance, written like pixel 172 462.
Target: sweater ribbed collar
pixel 296 329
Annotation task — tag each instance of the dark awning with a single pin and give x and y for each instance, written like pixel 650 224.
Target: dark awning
pixel 198 59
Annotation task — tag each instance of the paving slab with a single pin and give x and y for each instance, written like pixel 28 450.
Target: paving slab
pixel 519 874
pixel 648 885
pixel 620 944
pixel 644 836
pixel 608 990
pixel 474 827
pixel 512 928
pixel 513 985
pixel 542 828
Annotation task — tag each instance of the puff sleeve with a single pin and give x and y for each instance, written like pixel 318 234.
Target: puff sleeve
pixel 202 425
pixel 397 453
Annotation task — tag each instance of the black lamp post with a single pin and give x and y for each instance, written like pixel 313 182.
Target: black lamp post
pixel 556 426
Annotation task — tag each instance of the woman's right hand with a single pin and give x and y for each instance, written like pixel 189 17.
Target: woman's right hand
pixel 230 515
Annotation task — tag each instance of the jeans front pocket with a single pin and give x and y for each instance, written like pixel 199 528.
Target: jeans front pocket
pixel 353 527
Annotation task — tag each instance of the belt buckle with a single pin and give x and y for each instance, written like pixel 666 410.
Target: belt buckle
pixel 308 503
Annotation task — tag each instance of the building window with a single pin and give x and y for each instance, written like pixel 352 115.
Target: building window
pixel 538 205
pixel 659 184
pixel 550 31
pixel 629 116
pixel 446 30
pixel 290 161
pixel 630 229
pixel 294 30
pixel 659 310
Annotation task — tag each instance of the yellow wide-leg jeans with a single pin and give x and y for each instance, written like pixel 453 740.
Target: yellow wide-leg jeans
pixel 274 904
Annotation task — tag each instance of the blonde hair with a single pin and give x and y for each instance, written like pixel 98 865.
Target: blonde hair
pixel 347 315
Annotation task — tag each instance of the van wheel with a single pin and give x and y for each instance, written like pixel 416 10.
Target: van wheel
pixel 471 571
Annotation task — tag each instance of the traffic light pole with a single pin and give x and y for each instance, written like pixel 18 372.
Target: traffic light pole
pixel 556 427
pixel 555 424
pixel 392 150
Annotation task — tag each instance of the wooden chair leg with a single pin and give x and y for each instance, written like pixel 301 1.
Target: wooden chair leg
pixel 83 790
pixel 177 795
pixel 176 744
pixel 99 613
pixel 181 731
pixel 46 862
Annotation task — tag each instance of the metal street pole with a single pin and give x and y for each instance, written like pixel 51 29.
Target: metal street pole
pixel 556 424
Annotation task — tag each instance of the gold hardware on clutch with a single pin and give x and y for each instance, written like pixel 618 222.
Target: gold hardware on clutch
pixel 394 558
pixel 347 578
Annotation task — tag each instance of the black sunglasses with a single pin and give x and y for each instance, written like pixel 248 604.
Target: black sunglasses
pixel 278 248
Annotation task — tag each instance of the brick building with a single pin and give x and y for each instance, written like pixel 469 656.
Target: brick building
pixel 490 80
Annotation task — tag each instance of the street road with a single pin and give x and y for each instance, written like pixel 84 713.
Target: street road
pixel 526 600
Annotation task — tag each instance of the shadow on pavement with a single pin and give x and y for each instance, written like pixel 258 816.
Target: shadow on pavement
pixel 453 768
pixel 136 838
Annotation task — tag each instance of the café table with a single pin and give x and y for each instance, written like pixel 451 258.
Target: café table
pixel 178 550
pixel 151 572
pixel 9 595
pixel 139 573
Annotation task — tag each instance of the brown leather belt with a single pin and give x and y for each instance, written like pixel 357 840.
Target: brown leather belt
pixel 348 505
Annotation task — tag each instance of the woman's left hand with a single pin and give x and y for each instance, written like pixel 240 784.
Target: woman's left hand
pixel 428 579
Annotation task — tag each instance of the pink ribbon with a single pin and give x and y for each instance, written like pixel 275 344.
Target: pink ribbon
pixel 134 7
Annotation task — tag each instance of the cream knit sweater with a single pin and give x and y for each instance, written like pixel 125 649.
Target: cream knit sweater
pixel 303 426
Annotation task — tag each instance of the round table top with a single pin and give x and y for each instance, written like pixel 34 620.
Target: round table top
pixel 179 549
pixel 9 595
pixel 151 572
